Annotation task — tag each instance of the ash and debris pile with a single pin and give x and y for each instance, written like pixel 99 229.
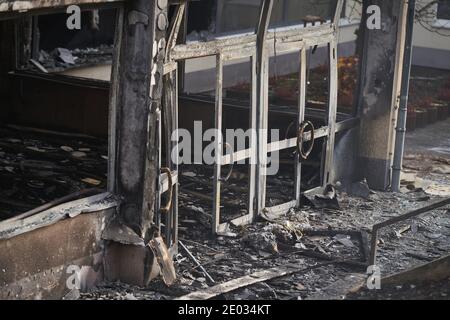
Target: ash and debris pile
pixel 37 168
pixel 324 243
pixel 61 59
pixel 327 242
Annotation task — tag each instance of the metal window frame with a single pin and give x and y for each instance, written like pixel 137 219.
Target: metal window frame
pixel 328 131
pixel 258 47
pixel 170 120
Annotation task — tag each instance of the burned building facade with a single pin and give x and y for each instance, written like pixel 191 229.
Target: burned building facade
pixel 88 174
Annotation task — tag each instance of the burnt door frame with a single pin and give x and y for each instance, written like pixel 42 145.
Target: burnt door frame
pixel 256 46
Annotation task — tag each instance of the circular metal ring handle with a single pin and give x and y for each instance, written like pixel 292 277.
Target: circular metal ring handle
pixel 168 206
pixel 227 177
pixel 301 130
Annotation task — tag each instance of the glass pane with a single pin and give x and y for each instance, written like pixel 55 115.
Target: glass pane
pixel 292 12
pixel 348 63
pixel 210 18
pixel 237 89
pixel 444 10
pixel 237 16
pixel 201 20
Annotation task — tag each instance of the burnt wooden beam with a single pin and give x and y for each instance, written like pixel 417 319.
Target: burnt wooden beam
pixel 6 57
pixel 36 37
pixel 136 107
pixel 23 40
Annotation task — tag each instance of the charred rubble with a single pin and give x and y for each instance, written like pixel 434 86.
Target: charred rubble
pixel 90 173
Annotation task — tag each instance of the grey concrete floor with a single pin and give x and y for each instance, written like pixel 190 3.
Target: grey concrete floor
pixel 433 140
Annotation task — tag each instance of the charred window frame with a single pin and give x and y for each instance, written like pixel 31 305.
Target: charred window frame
pixel 257 46
pixel 36 32
pixel 53 212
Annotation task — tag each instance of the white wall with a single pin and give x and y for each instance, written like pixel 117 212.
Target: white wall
pixel 432 46
pixel 431 40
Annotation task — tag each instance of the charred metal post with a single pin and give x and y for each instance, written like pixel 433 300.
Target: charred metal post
pixel 301 118
pixel 218 144
pixel 402 114
pixel 170 120
pixel 253 144
pixel 137 101
pixel 379 94
pixel 332 98
pixel 332 109
pixel 262 102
